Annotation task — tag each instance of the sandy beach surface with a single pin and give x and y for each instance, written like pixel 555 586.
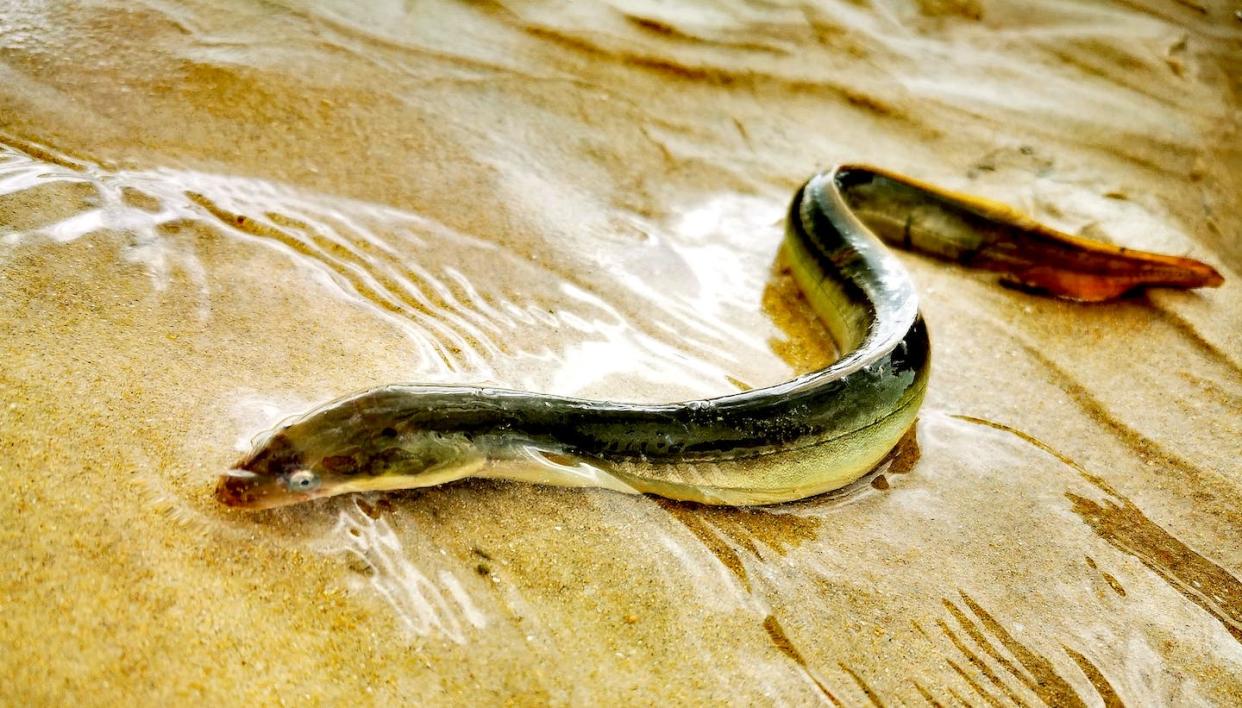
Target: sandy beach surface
pixel 217 214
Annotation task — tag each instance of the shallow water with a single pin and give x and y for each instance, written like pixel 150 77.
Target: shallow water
pixel 215 215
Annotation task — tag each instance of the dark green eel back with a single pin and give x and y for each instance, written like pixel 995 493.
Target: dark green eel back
pixel 856 286
pixel 802 437
pixel 805 436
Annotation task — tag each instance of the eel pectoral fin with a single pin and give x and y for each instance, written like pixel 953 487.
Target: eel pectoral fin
pixel 470 466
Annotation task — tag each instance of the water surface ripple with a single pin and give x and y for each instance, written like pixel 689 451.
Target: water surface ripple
pixel 215 214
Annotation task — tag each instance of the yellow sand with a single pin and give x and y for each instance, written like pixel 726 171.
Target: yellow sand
pixel 216 215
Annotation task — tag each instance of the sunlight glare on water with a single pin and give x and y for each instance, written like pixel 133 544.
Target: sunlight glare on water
pixel 217 214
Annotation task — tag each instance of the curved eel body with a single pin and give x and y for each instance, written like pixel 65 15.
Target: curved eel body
pixel 803 437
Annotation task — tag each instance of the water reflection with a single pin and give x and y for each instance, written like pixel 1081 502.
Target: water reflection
pixel 463 302
pixel 423 605
pixel 1120 522
pixel 591 125
pixel 817 566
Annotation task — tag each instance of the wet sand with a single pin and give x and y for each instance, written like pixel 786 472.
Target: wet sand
pixel 215 215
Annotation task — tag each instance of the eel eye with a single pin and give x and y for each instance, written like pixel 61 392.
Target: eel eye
pixel 303 481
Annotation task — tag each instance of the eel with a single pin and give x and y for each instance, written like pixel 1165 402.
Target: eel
pixel 806 436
